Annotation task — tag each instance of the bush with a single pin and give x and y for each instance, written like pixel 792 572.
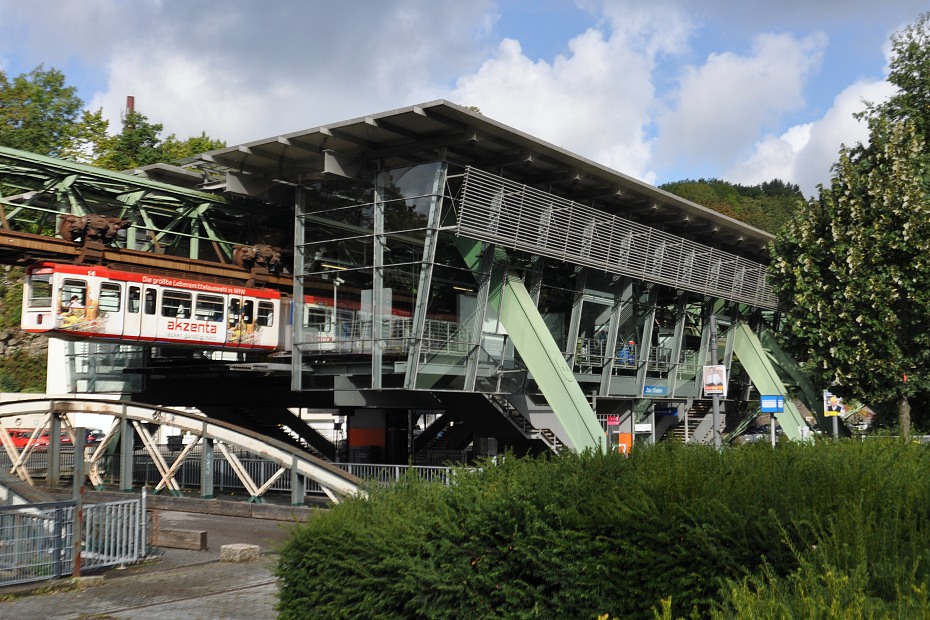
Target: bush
pixel 670 531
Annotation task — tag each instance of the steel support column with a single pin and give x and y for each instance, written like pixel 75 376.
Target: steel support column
pixel 681 317
pixel 126 445
pixel 378 313
pixel 206 466
pixel 425 281
pixel 574 322
pixel 297 312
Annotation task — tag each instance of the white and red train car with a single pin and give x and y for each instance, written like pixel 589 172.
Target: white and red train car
pixel 93 302
pixel 99 303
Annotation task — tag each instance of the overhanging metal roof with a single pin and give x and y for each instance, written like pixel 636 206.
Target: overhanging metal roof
pixel 443 130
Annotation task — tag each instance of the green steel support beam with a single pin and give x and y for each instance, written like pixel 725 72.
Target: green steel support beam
pixel 539 351
pixel 748 348
pixel 812 397
pixel 681 319
pixel 610 346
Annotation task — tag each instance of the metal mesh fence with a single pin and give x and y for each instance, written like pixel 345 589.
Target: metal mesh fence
pixel 512 215
pixel 36 542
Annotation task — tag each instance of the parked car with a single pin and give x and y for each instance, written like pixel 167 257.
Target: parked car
pixel 21 437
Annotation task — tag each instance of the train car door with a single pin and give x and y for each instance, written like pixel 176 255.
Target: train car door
pixel 247 323
pixel 108 309
pixel 149 319
pixel 235 328
pixel 132 316
pixel 266 331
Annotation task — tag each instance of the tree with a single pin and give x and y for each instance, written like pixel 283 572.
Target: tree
pixel 909 71
pixel 38 111
pixel 89 139
pixel 853 272
pixel 136 145
pixel 767 205
pixel 139 144
pixel 176 151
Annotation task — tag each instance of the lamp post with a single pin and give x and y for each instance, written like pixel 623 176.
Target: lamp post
pixel 336 282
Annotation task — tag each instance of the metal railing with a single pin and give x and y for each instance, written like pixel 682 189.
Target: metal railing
pixel 496 210
pixel 37 540
pixel 592 353
pixel 225 477
pixel 113 534
pixel 355 336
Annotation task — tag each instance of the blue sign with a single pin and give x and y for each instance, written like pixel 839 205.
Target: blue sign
pixel 655 390
pixel 773 404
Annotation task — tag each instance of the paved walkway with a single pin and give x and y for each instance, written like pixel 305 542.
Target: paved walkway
pixel 178 583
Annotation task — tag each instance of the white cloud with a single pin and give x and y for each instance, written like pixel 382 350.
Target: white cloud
pixel 596 101
pixel 804 154
pixel 722 106
pixel 252 70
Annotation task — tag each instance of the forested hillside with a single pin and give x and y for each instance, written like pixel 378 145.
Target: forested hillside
pixel 767 206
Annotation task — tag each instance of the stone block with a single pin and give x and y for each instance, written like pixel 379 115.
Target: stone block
pixel 192 540
pixel 239 552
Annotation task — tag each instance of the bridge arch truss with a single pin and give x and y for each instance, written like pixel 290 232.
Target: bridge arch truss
pixel 130 419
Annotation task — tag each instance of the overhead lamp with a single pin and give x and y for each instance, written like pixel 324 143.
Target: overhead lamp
pixel 328 266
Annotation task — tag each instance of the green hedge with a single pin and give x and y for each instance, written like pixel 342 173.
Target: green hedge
pixel 670 532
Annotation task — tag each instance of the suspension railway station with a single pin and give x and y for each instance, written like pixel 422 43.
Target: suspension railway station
pixel 419 286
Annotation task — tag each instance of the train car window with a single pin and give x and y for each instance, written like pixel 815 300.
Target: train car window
pixel 265 316
pixel 209 308
pixel 235 305
pixel 40 291
pixel 315 317
pixel 132 303
pixel 150 301
pixel 248 308
pixel 73 294
pixel 176 304
pixel 110 297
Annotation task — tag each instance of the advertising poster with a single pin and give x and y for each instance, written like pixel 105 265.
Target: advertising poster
pixel 715 380
pixel 832 405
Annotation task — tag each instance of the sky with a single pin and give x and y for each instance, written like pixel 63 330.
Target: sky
pixel 661 90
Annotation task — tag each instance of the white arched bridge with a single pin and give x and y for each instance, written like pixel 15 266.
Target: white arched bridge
pixel 52 436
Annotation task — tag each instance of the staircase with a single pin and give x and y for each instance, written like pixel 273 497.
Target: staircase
pixel 515 417
pixel 700 414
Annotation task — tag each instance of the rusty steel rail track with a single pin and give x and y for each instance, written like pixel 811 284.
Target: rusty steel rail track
pixel 20 248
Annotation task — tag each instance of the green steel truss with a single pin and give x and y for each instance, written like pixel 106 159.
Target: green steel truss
pixel 542 356
pixel 167 219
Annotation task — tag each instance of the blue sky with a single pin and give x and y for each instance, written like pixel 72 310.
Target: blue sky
pixel 661 90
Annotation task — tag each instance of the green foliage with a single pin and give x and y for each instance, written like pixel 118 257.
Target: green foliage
pixel 667 532
pixel 89 138
pixel 41 114
pixel 21 372
pixel 852 269
pixel 767 206
pixel 909 71
pixel 852 272
pixel 176 151
pixel 136 145
pixel 38 111
pixel 139 144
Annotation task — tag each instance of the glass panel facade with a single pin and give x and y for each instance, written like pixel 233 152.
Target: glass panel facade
pixel 384 282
